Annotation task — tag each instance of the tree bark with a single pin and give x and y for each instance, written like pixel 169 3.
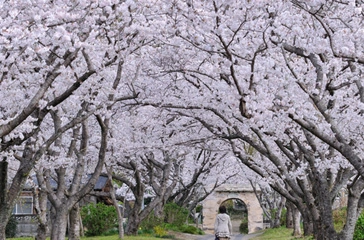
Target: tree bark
pixel 308 229
pixel 324 222
pixel 3 181
pixel 60 223
pixel 40 202
pixel 278 214
pixel 296 216
pixel 116 205
pixel 133 224
pixel 4 218
pixel 289 215
pixel 74 223
pixel 354 208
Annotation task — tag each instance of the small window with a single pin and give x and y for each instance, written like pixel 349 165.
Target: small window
pixel 24 205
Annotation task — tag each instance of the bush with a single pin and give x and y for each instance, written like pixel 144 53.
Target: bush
pixel 160 231
pixel 145 231
pixel 359 228
pixel 98 219
pixel 174 218
pixel 339 218
pixel 175 214
pixel 150 222
pixel 199 208
pixel 10 230
pixel 243 227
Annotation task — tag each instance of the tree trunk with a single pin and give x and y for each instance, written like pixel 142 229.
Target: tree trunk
pixel 324 222
pixel 3 227
pixel 289 215
pixel 354 208
pixel 82 233
pixel 296 221
pixel 116 205
pixel 59 224
pixel 158 210
pixel 307 224
pixel 3 181
pixel 133 224
pixel 278 214
pixel 120 219
pixel 3 191
pixel 4 206
pixel 40 202
pixel 74 223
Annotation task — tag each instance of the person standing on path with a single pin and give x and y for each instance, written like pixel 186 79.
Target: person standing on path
pixel 223 226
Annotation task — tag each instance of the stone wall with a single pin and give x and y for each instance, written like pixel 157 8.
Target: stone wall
pixel 27 225
pixel 212 203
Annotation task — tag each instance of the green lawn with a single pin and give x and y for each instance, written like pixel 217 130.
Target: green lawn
pixel 114 237
pixel 278 233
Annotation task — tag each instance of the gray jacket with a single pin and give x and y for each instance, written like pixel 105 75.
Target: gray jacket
pixel 223 227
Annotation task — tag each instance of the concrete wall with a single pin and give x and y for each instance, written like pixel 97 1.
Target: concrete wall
pixel 212 203
pixel 27 225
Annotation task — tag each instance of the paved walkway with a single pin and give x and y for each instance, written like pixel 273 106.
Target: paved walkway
pixel 234 237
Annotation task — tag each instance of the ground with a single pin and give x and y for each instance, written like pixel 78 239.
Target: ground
pixel 184 236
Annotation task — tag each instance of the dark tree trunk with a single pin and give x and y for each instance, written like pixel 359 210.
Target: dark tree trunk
pixel 133 225
pixel 324 223
pixel 289 215
pixel 307 224
pixel 4 218
pixel 3 181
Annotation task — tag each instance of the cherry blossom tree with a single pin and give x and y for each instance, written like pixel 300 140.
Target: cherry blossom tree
pixel 58 56
pixel 162 161
pixel 271 202
pixel 282 77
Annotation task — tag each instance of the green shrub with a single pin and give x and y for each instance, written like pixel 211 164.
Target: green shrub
pixel 172 227
pixel 175 214
pixel 174 219
pixel 160 231
pixel 150 222
pixel 98 219
pixel 359 228
pixel 199 208
pixel 145 231
pixel 339 218
pixel 243 227
pixel 229 204
pixel 10 230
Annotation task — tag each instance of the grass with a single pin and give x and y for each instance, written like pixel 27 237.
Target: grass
pixel 278 233
pixel 113 237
